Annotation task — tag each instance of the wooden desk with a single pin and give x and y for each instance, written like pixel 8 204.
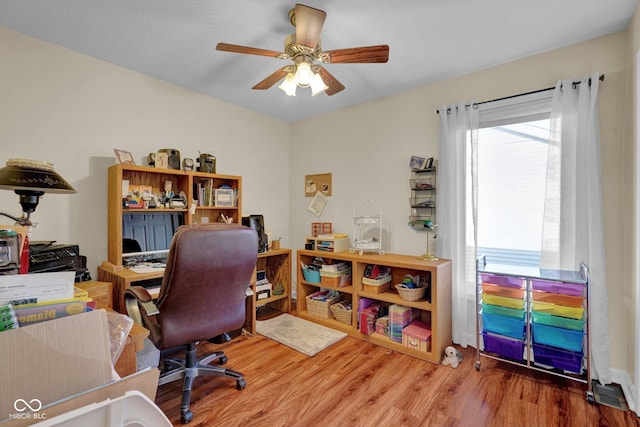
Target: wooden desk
pixel 123 279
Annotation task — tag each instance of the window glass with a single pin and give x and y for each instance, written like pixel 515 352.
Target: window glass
pixel 512 163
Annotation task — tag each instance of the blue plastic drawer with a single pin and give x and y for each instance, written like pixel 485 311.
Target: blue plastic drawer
pixel 565 339
pixel 560 359
pixel 505 347
pixel 508 326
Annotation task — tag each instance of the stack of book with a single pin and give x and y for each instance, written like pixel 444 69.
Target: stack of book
pixel 26 299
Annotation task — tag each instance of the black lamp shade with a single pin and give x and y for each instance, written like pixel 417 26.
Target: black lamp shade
pixel 32 175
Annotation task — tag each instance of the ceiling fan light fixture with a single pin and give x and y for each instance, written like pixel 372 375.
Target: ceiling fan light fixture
pixel 317 85
pixel 289 85
pixel 304 75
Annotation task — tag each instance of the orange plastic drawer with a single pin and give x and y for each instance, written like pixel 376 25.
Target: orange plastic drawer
pixel 558 299
pixel 502 291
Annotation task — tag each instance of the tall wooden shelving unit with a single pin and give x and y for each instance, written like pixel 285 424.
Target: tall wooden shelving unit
pixel 155 177
pixel 435 311
pixel 276 263
pixel 112 269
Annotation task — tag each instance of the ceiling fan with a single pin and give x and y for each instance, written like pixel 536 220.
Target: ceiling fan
pixel 304 49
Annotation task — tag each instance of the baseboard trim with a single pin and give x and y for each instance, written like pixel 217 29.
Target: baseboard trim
pixel 621 377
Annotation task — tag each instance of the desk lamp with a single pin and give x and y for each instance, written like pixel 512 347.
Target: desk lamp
pixel 30 179
pixel 431 228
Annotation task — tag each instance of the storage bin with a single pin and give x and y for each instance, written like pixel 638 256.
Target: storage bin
pixel 507 326
pixel 559 299
pixel 560 359
pixel 319 308
pixel 558 310
pixel 376 286
pixel 565 339
pixel 503 291
pixel 399 317
pixel 336 280
pixel 566 288
pixel 343 312
pixel 505 347
pixel 557 321
pixel 311 276
pixel 496 279
pixel 503 301
pixel 417 336
pixel 503 311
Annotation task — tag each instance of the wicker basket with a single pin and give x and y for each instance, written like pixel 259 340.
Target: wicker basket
pixel 321 309
pixel 408 294
pixel 342 314
pixel 376 286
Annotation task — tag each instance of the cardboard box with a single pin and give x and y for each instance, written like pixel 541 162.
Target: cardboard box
pixel 54 366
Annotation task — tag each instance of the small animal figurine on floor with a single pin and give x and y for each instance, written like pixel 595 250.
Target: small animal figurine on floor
pixel 452 357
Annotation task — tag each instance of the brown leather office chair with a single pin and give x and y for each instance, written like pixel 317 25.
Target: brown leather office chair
pixel 208 271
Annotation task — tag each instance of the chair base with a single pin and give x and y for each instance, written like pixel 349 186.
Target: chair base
pixel 190 368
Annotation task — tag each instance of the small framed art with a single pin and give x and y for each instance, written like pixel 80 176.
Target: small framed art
pixel 124 157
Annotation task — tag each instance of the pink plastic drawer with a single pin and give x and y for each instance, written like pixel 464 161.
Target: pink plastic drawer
pixel 566 288
pixel 496 279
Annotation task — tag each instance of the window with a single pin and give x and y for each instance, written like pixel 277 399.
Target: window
pixel 512 163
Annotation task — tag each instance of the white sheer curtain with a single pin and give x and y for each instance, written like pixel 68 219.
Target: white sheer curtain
pixel 456 200
pixel 573 229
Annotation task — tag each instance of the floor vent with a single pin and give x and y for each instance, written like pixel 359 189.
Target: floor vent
pixel 610 395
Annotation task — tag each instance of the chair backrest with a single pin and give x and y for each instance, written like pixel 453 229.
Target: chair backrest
pixel 203 292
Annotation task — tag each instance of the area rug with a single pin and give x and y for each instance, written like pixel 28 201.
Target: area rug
pixel 306 337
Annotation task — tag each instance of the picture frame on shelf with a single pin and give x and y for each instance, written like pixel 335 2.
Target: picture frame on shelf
pixel 124 157
pixel 418 162
pixel 429 163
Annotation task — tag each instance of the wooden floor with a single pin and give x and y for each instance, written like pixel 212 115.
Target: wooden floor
pixel 354 383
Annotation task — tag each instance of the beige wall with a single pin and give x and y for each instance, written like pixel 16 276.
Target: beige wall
pixel 367 148
pixel 73 110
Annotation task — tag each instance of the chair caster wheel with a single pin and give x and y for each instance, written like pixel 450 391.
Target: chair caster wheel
pixel 185 417
pixel 241 384
pixel 222 360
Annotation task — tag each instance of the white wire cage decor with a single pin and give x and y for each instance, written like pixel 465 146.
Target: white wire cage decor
pixel 367 228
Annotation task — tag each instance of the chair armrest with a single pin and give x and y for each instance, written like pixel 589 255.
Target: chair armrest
pixel 136 297
pixel 140 293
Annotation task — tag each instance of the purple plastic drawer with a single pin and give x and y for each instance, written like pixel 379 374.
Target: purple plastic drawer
pixel 557 358
pixel 574 289
pixel 496 279
pixel 503 346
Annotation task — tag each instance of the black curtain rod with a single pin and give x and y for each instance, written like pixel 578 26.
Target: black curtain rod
pixel 601 78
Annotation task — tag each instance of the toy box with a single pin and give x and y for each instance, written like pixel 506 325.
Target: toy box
pixel 417 336
pixel 368 318
pixel 382 325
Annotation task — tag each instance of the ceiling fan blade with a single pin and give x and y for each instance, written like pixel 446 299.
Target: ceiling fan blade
pixel 354 55
pixel 308 22
pixel 334 85
pixel 226 47
pixel 272 79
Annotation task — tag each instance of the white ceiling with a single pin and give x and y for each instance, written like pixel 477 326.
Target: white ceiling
pixel 429 40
